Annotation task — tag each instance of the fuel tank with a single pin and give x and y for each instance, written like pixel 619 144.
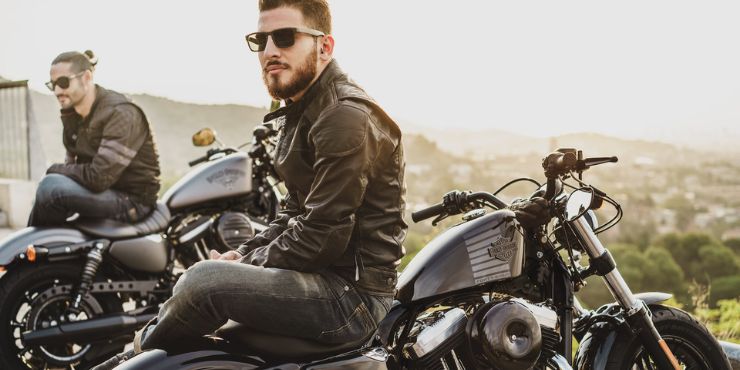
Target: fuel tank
pixel 221 178
pixel 483 250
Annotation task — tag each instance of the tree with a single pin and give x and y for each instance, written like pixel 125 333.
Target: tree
pixel 685 251
pixel 734 244
pixel 716 260
pixel 727 287
pixel 663 273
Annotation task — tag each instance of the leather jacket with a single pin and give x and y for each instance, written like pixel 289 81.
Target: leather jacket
pixel 341 158
pixel 112 148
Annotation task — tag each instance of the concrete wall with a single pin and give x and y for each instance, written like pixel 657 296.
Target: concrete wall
pixel 16 200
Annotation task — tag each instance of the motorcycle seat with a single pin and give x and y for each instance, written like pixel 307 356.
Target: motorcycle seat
pixel 155 222
pixel 279 347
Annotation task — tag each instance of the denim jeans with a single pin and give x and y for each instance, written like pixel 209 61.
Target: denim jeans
pixel 316 306
pixel 58 197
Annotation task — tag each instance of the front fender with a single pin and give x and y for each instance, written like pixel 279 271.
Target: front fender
pixel 17 242
pixel 595 346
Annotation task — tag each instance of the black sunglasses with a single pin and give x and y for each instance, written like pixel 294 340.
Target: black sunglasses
pixel 62 82
pixel 282 37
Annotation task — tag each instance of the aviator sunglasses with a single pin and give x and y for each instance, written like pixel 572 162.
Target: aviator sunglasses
pixel 282 37
pixel 63 81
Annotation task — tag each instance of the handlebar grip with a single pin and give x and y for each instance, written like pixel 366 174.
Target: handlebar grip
pixel 197 161
pixel 425 213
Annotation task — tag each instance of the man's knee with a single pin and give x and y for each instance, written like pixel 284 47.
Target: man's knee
pixel 198 279
pixel 52 187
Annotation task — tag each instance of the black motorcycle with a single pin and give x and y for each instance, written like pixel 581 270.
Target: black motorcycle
pixel 490 294
pixel 64 288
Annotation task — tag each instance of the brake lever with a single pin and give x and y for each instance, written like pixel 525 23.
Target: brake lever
pixel 439 219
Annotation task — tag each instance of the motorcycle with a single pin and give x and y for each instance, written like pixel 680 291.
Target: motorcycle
pixel 490 294
pixel 64 288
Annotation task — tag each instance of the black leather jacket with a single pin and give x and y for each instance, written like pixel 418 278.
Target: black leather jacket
pixel 112 148
pixel 342 161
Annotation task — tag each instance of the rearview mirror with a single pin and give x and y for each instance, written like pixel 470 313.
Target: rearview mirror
pixel 579 202
pixel 204 137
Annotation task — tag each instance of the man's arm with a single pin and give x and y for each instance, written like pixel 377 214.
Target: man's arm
pixel 277 226
pixel 123 136
pixel 344 152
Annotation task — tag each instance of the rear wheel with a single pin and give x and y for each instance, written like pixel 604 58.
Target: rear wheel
pixel 38 296
pixel 689 340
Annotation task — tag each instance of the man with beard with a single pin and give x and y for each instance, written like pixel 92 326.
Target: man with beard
pixel 324 272
pixel 112 167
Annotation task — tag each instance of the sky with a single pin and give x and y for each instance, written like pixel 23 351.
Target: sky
pixel 637 69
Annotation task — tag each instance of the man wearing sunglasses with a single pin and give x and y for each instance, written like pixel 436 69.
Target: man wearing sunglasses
pixel 111 168
pixel 324 272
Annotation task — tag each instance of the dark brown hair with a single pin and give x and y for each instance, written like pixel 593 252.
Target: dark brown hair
pixel 316 13
pixel 80 61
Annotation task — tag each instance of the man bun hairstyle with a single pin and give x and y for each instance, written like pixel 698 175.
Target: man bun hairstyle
pixel 316 13
pixel 80 61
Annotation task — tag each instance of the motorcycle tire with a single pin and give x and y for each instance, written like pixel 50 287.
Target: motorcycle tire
pixel 32 295
pixel 690 341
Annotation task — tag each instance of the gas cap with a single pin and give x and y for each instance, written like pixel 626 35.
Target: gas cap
pixel 472 215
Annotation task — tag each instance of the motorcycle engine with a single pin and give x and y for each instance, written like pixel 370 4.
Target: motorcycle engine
pixel 512 334
pixel 507 334
pixel 440 341
pixel 232 229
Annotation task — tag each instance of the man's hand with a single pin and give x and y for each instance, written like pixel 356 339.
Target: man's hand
pixel 228 256
pixel 531 213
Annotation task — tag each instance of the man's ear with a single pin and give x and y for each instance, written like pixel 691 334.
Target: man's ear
pixel 327 48
pixel 87 76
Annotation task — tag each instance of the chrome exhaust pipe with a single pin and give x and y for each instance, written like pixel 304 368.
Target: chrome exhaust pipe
pixel 87 331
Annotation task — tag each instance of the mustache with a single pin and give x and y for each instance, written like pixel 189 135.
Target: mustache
pixel 273 63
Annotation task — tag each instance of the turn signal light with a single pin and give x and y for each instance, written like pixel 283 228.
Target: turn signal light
pixel 2 268
pixel 31 253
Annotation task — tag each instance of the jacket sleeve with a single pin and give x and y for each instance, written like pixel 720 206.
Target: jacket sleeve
pixel 276 227
pixel 344 153
pixel 123 136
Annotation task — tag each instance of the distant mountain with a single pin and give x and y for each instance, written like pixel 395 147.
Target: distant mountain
pixel 492 144
pixel 174 123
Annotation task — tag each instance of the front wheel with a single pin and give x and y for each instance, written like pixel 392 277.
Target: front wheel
pixel 38 296
pixel 689 340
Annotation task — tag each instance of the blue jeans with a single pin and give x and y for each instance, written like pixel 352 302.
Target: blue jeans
pixel 317 306
pixel 58 197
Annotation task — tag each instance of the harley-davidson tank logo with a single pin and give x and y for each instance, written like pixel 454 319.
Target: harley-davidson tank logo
pixel 491 250
pixel 505 246
pixel 502 249
pixel 226 178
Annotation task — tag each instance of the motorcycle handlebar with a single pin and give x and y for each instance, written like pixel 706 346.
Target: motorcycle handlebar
pixel 456 202
pixel 198 161
pixel 426 213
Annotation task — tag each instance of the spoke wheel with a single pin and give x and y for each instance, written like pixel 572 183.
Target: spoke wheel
pixel 693 345
pixel 38 297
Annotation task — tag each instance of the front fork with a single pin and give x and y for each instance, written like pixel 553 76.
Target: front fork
pixel 637 313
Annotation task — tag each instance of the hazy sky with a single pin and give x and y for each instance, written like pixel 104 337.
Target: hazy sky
pixel 630 68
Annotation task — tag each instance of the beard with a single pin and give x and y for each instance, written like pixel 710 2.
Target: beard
pixel 73 95
pixel 302 77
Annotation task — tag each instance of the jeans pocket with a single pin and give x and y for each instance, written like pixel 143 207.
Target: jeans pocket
pixel 357 326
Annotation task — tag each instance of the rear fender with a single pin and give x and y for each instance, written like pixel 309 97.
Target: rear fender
pixel 595 345
pixel 18 242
